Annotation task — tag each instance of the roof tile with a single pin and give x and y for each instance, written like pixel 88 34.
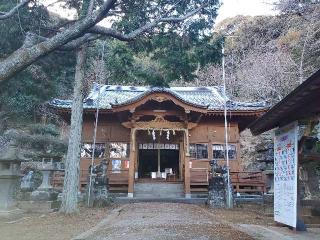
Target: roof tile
pixel 206 97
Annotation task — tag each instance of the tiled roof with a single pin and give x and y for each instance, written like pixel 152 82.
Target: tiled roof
pixel 210 98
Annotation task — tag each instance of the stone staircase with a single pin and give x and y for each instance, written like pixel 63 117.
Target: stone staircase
pixel 158 190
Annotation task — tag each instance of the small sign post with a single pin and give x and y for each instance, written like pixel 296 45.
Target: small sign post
pixel 286 174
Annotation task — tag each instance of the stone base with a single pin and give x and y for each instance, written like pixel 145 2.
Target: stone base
pixel 188 195
pixel 24 196
pixel 7 189
pixel 39 206
pixel 217 195
pixel 130 195
pixel 44 195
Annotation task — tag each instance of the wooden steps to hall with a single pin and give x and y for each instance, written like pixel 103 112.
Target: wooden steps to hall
pixel 199 180
pixel 118 181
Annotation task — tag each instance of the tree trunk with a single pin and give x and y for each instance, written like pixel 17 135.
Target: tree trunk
pixel 71 179
pixel 26 55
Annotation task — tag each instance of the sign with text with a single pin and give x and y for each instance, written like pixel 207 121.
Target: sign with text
pixel 286 174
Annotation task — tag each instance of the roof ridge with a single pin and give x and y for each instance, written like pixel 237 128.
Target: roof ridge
pixel 210 97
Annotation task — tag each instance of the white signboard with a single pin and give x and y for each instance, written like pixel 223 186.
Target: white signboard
pixel 285 174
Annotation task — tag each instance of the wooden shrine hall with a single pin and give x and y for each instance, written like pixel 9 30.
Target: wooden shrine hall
pixel 167 135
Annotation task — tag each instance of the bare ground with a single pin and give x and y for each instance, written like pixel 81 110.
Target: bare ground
pixel 51 226
pixel 163 221
pixel 134 221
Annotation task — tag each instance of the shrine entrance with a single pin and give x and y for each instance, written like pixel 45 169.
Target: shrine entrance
pixel 158 164
pixel 159 134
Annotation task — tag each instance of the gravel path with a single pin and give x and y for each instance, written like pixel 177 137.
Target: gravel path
pixel 142 221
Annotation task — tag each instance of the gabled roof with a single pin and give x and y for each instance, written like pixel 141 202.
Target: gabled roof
pixel 301 103
pixel 111 96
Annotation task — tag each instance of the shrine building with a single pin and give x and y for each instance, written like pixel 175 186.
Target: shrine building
pixel 167 135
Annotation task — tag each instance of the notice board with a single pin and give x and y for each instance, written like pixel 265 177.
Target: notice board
pixel 286 174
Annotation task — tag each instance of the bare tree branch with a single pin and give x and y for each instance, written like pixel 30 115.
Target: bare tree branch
pixel 33 39
pixel 5 15
pixel 25 56
pixel 91 6
pixel 130 36
pixel 79 42
pixel 80 32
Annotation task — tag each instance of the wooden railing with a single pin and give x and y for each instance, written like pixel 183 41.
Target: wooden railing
pixel 248 182
pixel 58 178
pixel 118 180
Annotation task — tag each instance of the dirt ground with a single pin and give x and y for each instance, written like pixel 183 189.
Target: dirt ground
pixel 50 226
pixel 163 221
pixel 250 214
pixel 134 221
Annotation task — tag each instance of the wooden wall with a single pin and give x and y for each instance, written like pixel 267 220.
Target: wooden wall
pixel 205 132
pixel 108 131
pixel 213 133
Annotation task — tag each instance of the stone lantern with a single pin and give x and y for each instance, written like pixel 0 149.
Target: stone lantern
pixel 45 191
pixel 10 161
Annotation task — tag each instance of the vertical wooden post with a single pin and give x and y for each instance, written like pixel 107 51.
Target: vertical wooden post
pixel 186 165
pixel 132 162
pixel 181 159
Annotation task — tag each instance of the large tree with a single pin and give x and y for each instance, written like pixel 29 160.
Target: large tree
pixel 156 60
pixel 23 96
pixel 129 19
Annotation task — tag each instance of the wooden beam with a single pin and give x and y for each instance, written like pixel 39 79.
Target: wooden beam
pixel 158 123
pixel 160 97
pixel 138 114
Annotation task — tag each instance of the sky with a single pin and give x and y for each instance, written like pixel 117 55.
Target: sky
pixel 229 8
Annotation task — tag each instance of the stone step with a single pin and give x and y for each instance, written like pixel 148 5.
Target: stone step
pixel 311 219
pixel 159 190
pixel 199 201
pixel 151 195
pixel 144 187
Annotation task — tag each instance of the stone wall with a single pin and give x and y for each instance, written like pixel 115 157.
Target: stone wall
pixel 309 176
pixel 256 152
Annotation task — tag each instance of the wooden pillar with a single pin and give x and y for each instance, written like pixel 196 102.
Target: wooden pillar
pixel 132 162
pixel 159 168
pixel 181 159
pixel 186 165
